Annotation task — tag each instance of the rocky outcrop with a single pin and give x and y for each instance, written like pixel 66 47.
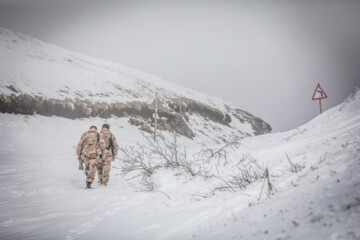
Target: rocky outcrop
pixel 185 105
pixel 174 116
pixel 139 122
pixel 171 121
pixel 139 112
pixel 259 126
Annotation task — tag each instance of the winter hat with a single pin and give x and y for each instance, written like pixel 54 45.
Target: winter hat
pixel 93 127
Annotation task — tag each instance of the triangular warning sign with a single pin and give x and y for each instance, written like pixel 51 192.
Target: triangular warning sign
pixel 319 93
pixel 159 105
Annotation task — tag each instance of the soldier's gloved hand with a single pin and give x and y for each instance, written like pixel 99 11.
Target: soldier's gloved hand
pixel 81 165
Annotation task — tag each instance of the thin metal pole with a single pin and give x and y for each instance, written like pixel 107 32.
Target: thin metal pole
pixel 155 117
pixel 320 105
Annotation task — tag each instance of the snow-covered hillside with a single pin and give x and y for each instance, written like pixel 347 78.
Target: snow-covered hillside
pixel 49 80
pixel 43 195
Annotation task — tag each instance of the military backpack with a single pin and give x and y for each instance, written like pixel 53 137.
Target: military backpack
pixel 92 138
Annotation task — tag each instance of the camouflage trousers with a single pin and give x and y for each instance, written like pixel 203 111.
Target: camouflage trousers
pixel 90 168
pixel 103 169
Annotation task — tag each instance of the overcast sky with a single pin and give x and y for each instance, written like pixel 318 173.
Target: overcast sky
pixel 265 57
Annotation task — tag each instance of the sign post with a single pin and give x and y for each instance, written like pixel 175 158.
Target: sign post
pixel 155 105
pixel 318 95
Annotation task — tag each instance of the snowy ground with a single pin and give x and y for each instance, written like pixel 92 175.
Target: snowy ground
pixel 43 195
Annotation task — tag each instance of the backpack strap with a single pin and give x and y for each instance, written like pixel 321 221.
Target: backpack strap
pixel 110 143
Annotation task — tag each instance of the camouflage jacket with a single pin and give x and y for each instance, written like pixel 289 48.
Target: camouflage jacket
pixel 88 144
pixel 108 146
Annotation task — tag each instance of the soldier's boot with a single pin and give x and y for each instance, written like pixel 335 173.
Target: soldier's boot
pixel 88 184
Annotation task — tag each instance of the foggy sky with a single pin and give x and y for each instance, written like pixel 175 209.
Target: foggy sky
pixel 265 57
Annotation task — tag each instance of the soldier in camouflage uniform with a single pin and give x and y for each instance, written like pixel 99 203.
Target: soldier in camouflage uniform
pixel 107 150
pixel 86 151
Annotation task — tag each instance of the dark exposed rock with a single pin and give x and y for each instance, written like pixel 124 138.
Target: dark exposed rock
pixel 68 108
pixel 12 88
pixel 143 126
pixel 175 121
pixel 135 121
pixel 183 105
pixel 171 118
pixel 259 126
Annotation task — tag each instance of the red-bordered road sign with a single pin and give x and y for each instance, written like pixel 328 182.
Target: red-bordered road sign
pixel 319 93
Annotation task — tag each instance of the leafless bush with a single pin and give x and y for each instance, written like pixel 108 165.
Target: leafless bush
pixel 136 159
pixel 208 154
pixel 244 176
pixel 295 134
pixel 269 184
pixel 144 159
pixel 164 149
pixel 146 185
pixel 188 167
pixel 294 167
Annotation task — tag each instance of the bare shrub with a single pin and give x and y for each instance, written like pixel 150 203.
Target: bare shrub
pixel 144 159
pixel 146 184
pixel 208 154
pixel 244 176
pixel 164 149
pixel 136 159
pixel 188 167
pixel 294 167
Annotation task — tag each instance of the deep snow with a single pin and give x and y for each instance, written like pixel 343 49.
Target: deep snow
pixel 43 195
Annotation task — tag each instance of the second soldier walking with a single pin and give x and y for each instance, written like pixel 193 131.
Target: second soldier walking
pixel 107 151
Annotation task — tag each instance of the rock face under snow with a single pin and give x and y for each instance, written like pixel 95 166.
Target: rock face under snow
pixel 44 79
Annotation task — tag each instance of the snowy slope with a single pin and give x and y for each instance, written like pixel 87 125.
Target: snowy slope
pixel 42 195
pixel 29 66
pixel 40 68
